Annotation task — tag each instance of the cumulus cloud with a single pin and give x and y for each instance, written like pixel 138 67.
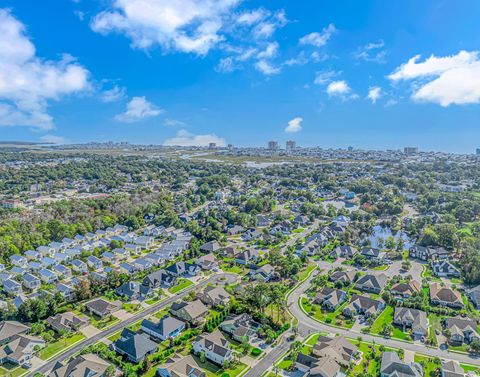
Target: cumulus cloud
pixel 187 139
pixel 324 77
pixel 374 93
pixel 28 83
pixel 445 80
pixel 54 139
pixel 338 88
pixel 295 125
pixel 372 52
pixel 267 68
pixel 137 109
pixel 318 39
pixel 174 123
pixel 114 94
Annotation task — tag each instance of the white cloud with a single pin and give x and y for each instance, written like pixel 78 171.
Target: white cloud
pixel 270 51
pixel 318 39
pixel 27 82
pixel 187 139
pixel 174 123
pixel 374 93
pixel 54 139
pixel 445 80
pixel 114 94
pixel 338 88
pixel 266 68
pixel 323 77
pixel 251 17
pixel 295 125
pixel 372 52
pixel 137 109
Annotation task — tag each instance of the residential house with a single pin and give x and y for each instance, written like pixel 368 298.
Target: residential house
pixel 214 296
pixel 134 346
pixel 144 241
pixel 20 349
pixel 443 268
pixel 62 271
pixel 413 319
pixel 108 257
pixel 207 262
pixel 133 290
pixel 338 348
pixel 9 329
pixel 19 261
pixel 32 255
pixel 166 328
pixel 263 220
pixel 31 282
pixel 94 262
pixel 214 346
pixel 362 305
pixel 445 296
pixel 240 327
pixel 330 298
pixel 142 264
pixel 67 322
pixel 373 254
pixel 47 276
pixel 86 365
pixel 406 290
pixel 66 291
pixel 133 249
pixel 127 268
pixel 347 252
pixel 343 277
pixel 452 368
pixel 182 269
pixel 373 283
pixel 462 329
pixel 159 278
pixel 12 287
pixel 210 247
pixel 392 366
pixel 193 312
pixel 247 257
pixel 310 366
pixel 101 307
pixel 264 273
pixel 120 254
pixel 79 266
pixel 181 366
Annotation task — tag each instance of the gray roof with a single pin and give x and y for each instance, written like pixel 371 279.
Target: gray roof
pixel 136 345
pixel 393 366
pixel 165 327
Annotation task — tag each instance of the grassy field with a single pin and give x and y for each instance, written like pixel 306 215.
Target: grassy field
pixel 182 284
pixel 386 318
pixel 59 346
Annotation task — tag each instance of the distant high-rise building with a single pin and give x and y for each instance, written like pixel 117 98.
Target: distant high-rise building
pixel 273 145
pixel 350 149
pixel 410 150
pixel 212 145
pixel 290 144
pixel 230 146
pixel 477 152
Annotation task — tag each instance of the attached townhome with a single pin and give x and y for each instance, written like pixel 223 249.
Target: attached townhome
pixel 416 320
pixel 462 330
pixel 166 328
pixel 372 283
pixel 19 261
pixel 338 348
pixel 135 347
pixel 214 346
pixel 393 366
pixel 193 312
pixel 47 276
pixel 330 298
pixel 79 266
pixel 12 287
pixel 31 282
pixel 94 262
pixel 362 305
pixel 445 296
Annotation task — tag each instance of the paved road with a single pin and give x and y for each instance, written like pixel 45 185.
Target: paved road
pixel 265 363
pixel 45 368
pixel 307 325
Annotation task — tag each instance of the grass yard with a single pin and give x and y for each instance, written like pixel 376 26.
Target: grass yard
pixel 386 318
pixel 59 346
pixel 427 363
pixel 333 318
pixel 183 284
pixel 212 370
pixel 302 275
pixel 233 268
pixel 133 308
pixel 11 370
pixel 154 300
pixel 103 323
pixel 435 324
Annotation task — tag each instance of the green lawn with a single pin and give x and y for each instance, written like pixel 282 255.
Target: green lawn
pixel 427 364
pixel 333 318
pixel 59 346
pixel 302 275
pixel 212 370
pixel 133 308
pixel 233 268
pixel 182 284
pixel 103 323
pixel 154 300
pixel 11 370
pixel 385 318
pixel 435 324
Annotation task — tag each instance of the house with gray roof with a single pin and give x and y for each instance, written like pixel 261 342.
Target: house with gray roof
pixel 392 366
pixel 414 319
pixel 166 328
pixel 86 365
pixel 133 290
pixel 462 330
pixel 179 366
pixel 330 298
pixel 67 322
pixel 31 282
pixel 214 346
pixel 134 346
pixel 12 287
pixel 193 312
pixel 372 283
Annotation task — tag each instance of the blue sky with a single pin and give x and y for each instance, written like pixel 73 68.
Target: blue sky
pixel 371 74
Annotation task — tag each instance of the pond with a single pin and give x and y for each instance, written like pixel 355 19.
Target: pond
pixel 381 234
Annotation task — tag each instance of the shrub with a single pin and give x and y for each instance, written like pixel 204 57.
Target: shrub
pixel 328 320
pixel 256 352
